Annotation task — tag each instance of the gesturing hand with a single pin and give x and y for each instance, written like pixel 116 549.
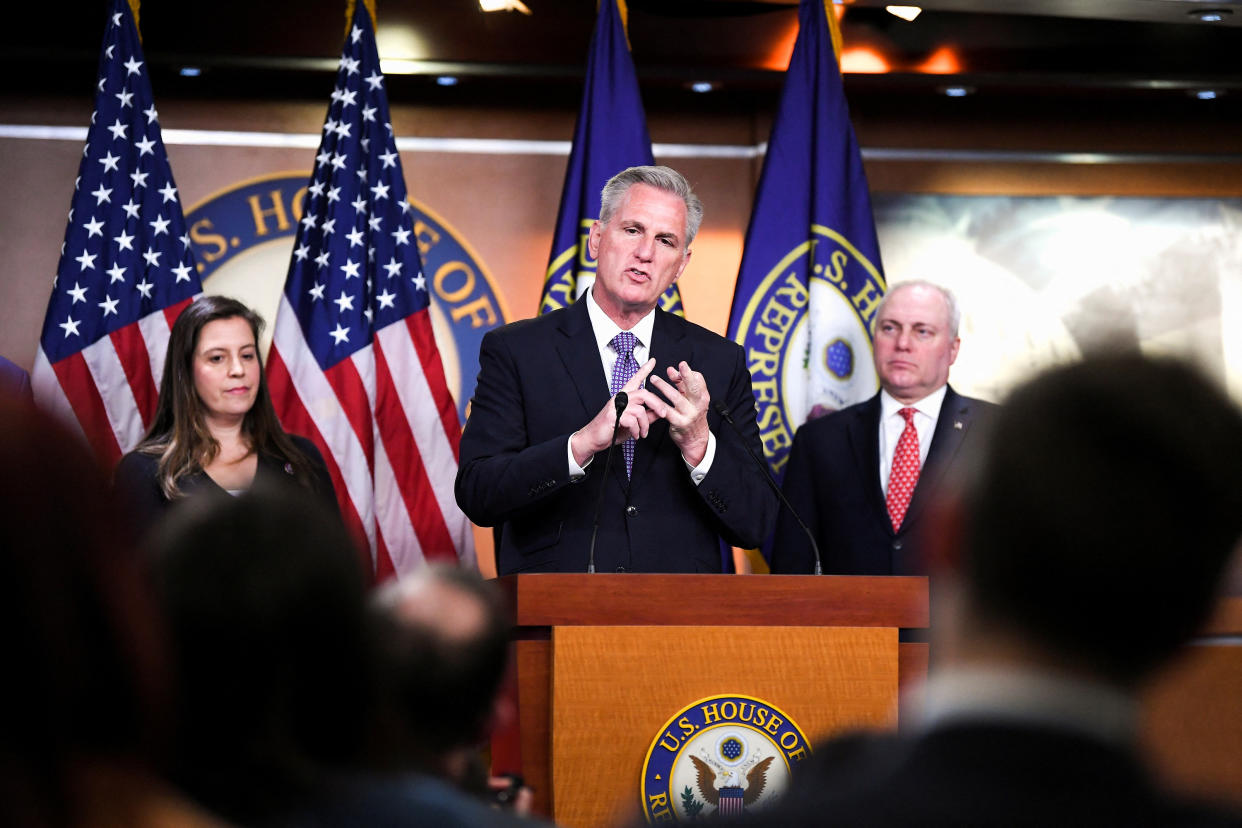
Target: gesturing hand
pixel 640 412
pixel 687 416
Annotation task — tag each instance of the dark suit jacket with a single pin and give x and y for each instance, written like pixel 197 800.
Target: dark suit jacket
pixel 972 774
pixel 136 481
pixel 540 380
pixel 833 481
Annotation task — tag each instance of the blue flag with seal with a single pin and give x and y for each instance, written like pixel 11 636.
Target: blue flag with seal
pixel 610 136
pixel 810 280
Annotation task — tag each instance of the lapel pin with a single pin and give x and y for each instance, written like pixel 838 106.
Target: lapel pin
pixel 957 424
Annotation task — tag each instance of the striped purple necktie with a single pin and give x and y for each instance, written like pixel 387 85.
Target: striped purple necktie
pixel 623 370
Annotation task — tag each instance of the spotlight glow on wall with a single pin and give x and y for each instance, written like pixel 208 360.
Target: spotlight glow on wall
pixel 906 13
pixel 503 5
pixel 863 60
pixel 401 48
pixel 400 66
pixel 943 61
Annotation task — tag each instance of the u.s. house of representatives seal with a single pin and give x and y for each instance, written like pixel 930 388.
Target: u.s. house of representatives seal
pixel 807 333
pixel 720 756
pixel 243 239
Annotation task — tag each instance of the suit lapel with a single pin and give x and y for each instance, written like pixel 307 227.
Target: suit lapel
pixel 864 438
pixel 580 356
pixel 951 427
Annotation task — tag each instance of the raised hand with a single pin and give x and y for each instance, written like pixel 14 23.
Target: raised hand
pixel 686 412
pixel 642 410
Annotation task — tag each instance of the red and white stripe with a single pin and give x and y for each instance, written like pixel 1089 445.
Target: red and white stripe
pixel 107 392
pixel 387 427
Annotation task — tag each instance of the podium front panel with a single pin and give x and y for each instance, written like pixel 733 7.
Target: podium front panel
pixel 615 688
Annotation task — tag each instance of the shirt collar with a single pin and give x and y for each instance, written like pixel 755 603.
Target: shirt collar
pixel 605 329
pixel 929 405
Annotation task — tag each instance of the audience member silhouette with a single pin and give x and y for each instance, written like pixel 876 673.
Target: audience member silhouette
pixel 443 637
pixel 86 687
pixel 266 603
pixel 1083 548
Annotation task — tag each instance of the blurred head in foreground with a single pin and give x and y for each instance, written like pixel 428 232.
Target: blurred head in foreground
pixel 85 690
pixel 1092 534
pixel 443 637
pixel 265 602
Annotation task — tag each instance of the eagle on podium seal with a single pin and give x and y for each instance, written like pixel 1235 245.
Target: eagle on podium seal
pixel 720 757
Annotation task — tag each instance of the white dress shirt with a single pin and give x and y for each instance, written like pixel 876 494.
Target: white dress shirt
pixel 605 331
pixel 927 412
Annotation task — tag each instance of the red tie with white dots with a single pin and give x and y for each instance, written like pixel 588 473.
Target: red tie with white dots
pixel 905 472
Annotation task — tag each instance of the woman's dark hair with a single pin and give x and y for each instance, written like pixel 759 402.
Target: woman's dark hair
pixel 179 436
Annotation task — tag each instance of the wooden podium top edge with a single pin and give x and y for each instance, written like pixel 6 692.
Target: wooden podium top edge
pixel 555 599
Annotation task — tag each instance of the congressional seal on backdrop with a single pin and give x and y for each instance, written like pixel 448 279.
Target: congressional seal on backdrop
pixel 243 238
pixel 807 334
pixel 720 757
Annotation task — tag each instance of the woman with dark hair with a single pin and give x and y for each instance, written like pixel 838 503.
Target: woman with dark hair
pixel 215 430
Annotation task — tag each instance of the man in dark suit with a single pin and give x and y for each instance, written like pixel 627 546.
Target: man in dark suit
pixel 1086 544
pixel 862 476
pixel 533 449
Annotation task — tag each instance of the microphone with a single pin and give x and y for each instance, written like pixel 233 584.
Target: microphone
pixel 619 402
pixel 767 475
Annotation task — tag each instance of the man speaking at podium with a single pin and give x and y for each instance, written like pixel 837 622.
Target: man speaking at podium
pixel 863 475
pixel 535 454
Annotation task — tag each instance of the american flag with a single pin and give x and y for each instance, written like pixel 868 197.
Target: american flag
pixel 126 269
pixel 354 364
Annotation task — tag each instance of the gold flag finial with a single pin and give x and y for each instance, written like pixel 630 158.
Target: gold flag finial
pixel 625 20
pixel 834 28
pixel 349 12
pixel 133 8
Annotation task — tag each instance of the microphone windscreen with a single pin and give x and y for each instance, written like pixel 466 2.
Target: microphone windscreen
pixel 621 401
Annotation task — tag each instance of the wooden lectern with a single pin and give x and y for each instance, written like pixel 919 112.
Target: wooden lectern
pixel 602 661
